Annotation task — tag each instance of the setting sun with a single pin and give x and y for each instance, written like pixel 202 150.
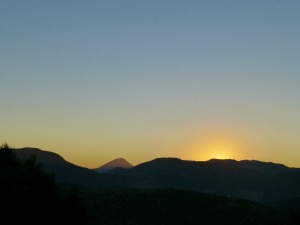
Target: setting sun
pixel 218 147
pixel 219 150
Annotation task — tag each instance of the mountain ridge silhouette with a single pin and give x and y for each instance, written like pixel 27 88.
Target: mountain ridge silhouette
pixel 250 179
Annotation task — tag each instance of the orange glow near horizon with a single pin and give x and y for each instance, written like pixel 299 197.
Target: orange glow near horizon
pixel 219 149
pixel 216 148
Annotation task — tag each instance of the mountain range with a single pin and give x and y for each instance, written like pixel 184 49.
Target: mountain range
pixel 258 181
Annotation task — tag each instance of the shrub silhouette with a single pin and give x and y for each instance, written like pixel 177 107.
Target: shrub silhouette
pixel 30 195
pixel 168 206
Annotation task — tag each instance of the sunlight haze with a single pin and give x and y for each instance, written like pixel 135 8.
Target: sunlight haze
pixel 98 80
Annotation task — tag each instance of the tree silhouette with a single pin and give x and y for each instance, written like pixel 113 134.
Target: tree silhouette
pixel 30 195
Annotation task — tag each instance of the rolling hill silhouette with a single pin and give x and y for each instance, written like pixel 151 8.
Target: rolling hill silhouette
pixel 66 173
pixel 250 179
pixel 253 180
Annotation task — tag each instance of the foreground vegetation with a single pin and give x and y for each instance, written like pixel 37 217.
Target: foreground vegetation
pixel 30 195
pixel 172 207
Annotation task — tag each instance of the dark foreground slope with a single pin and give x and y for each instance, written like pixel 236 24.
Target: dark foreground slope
pixel 175 207
pixel 27 192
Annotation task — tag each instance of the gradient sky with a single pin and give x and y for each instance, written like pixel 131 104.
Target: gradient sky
pixel 98 80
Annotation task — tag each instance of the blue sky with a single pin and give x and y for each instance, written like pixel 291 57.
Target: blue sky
pixel 97 80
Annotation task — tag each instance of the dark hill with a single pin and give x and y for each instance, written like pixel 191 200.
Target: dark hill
pixel 264 167
pixel 65 172
pixel 253 180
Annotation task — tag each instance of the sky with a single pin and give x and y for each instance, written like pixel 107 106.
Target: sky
pixel 141 79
